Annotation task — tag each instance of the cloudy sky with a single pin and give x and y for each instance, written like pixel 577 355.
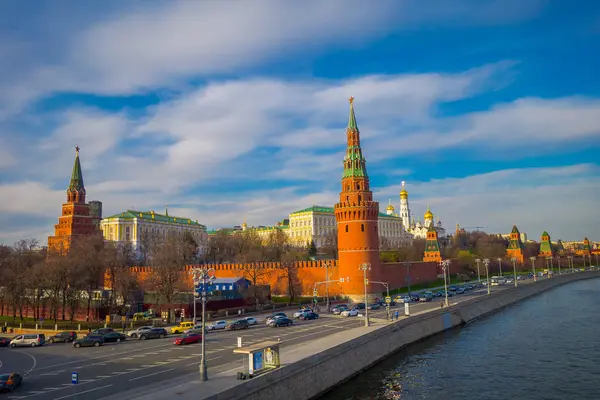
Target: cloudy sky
pixel 489 110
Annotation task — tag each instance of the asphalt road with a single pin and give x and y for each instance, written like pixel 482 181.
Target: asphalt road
pixel 116 367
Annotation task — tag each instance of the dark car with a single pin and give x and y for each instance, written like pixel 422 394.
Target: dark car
pixel 240 324
pixel 337 307
pixel 114 337
pixel 63 337
pixel 359 306
pixel 4 341
pixel 89 341
pixel 277 314
pixel 374 306
pixel 281 321
pixel 9 382
pixel 154 333
pixel 309 315
pixel 102 331
pixel 338 310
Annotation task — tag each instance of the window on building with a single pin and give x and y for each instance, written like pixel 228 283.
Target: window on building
pixel 362 227
pixel 346 228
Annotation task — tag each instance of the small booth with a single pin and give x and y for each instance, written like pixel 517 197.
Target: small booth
pixel 262 357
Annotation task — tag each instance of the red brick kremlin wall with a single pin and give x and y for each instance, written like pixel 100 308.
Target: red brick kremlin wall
pixel 310 272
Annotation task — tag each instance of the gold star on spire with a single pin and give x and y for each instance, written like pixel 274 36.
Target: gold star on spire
pixel 77 149
pixel 351 100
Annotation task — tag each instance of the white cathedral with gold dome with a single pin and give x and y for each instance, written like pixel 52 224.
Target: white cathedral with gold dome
pixel 411 226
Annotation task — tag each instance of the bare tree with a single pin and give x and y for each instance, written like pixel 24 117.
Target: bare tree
pixel 220 248
pixel 86 255
pixel 277 245
pixel 167 271
pixel 289 267
pixel 330 244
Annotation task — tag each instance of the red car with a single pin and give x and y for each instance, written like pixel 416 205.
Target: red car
pixel 188 339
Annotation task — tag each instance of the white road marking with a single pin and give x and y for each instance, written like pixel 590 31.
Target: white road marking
pixel 50 373
pixel 198 362
pixel 152 374
pixel 103 376
pixel 87 380
pixel 51 389
pixel 16 397
pixel 172 359
pixel 154 353
pixel 35 391
pixel 164 351
pixel 118 372
pixel 162 362
pixel 126 358
pixel 34 364
pixel 132 369
pixel 84 392
pixel 148 365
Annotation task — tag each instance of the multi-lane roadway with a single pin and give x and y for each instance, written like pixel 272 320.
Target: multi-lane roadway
pixel 116 367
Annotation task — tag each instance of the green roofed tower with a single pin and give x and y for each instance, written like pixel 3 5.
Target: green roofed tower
pixel 355 164
pixel 515 246
pixel 432 246
pixel 546 246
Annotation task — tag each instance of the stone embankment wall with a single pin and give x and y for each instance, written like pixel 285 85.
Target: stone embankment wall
pixel 314 375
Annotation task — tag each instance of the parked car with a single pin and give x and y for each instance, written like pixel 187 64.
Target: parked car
pixel 405 299
pixel 425 298
pixel 309 315
pixel 9 382
pixel 239 324
pixel 350 313
pixel 359 306
pixel 251 320
pixel 28 339
pixel 217 325
pixel 281 321
pixel 4 341
pixel 154 333
pixel 188 338
pixel 114 337
pixel 374 306
pixel 89 341
pixel 63 337
pixel 134 334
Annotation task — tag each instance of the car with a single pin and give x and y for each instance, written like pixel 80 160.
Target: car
pixel 359 306
pixel 374 306
pixel 251 320
pixel 337 307
pixel 309 315
pixel 196 329
pixel 63 337
pixel 340 310
pixel 277 314
pixel 405 299
pixel 217 325
pixel 183 326
pixel 154 333
pixel 460 291
pixel 239 324
pixel 350 313
pixel 425 298
pixel 114 337
pixel 136 332
pixel 28 339
pixel 281 321
pixel 4 341
pixel 188 338
pixel 102 331
pixel 300 313
pixel 9 382
pixel 90 340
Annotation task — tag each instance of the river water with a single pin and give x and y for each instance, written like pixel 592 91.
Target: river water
pixel 547 347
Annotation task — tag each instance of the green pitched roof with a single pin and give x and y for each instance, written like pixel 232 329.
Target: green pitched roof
pixel 514 229
pixel 316 209
pixel 147 215
pixel 76 183
pixel 545 234
pixel 355 164
pixel 352 118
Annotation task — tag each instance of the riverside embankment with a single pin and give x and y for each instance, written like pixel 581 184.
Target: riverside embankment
pixel 315 368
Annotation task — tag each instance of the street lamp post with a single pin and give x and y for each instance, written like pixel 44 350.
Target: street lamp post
pixel 407 265
pixel 486 262
pixel 366 267
pixel 499 259
pixel 477 260
pixel 445 264
pixel 533 267
pixel 597 260
pixel 514 261
pixel 570 262
pixel 327 286
pixel 387 289
pixel 205 277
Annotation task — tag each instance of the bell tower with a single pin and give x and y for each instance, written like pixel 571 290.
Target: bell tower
pixel 357 214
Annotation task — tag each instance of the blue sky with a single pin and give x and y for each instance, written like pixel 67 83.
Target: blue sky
pixel 489 110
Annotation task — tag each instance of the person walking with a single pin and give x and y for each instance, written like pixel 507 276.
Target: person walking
pixel 397 314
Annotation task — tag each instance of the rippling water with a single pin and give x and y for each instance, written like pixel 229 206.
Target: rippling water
pixel 547 347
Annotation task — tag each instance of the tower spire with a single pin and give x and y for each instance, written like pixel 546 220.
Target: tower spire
pixel 355 164
pixel 352 118
pixel 76 189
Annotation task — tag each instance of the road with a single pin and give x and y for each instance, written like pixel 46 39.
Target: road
pixel 115 367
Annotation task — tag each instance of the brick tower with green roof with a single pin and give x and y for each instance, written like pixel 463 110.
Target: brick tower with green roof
pixel 515 246
pixel 546 246
pixel 432 246
pixel 357 215
pixel 586 248
pixel 75 219
pixel 560 248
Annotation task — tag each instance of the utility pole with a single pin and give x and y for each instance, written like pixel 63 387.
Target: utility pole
pixel 486 262
pixel 407 265
pixel 477 260
pixel 445 264
pixel 533 268
pixel 206 278
pixel 514 261
pixel 499 259
pixel 366 267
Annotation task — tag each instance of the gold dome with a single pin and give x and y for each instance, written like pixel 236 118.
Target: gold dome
pixel 390 208
pixel 428 214
pixel 403 192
